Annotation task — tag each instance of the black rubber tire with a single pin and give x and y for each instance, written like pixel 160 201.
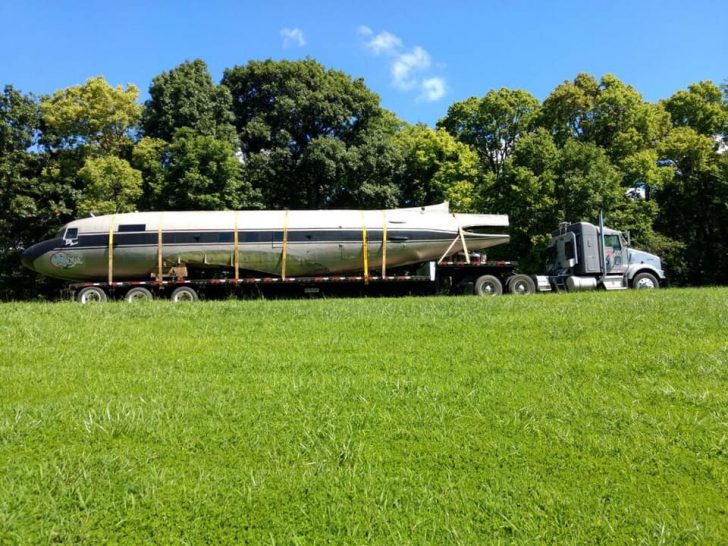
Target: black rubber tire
pixel 487 285
pixel 92 294
pixel 184 293
pixel 138 293
pixel 645 281
pixel 521 285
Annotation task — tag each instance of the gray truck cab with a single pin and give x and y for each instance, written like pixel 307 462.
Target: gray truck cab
pixel 580 258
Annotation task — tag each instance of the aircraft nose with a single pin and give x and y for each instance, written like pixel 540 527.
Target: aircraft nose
pixel 28 257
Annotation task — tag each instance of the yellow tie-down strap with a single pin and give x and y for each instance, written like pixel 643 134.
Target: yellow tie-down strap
pixel 236 251
pixel 364 249
pixel 285 246
pixel 111 249
pixel 384 245
pixel 160 250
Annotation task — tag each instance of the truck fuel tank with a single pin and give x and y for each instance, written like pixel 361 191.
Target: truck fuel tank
pixel 580 284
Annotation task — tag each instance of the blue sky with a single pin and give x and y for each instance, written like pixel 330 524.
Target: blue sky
pixel 419 57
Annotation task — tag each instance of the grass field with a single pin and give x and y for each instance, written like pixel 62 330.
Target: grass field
pixel 585 418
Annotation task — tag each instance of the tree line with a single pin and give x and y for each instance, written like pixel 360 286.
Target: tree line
pixel 293 134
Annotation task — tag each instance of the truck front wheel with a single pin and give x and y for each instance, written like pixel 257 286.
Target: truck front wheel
pixel 488 285
pixel 645 281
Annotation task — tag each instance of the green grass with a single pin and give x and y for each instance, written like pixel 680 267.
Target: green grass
pixel 585 418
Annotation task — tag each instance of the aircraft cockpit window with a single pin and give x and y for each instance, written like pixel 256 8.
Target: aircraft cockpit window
pixel 71 237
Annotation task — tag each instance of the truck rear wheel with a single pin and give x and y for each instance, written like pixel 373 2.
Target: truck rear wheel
pixel 645 281
pixel 138 293
pixel 92 294
pixel 521 285
pixel 184 293
pixel 488 285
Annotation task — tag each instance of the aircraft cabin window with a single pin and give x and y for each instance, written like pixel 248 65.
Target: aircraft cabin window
pixel 132 227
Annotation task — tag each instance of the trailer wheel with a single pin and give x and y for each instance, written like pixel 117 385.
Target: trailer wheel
pixel 138 293
pixel 488 285
pixel 645 281
pixel 521 285
pixel 184 293
pixel 92 294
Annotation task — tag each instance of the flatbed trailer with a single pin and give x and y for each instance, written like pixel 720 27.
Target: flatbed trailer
pixel 453 277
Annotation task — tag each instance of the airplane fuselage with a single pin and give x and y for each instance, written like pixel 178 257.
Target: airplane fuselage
pixel 316 242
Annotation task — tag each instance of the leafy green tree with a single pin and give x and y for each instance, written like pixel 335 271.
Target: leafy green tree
pixel 186 96
pixel 94 114
pixel 203 172
pixel 492 124
pixel 30 206
pixel 437 168
pixel 525 190
pixel 81 125
pixel 607 113
pixel 702 107
pixel 111 186
pixel 19 120
pixel 149 156
pixel 693 204
pixel 312 137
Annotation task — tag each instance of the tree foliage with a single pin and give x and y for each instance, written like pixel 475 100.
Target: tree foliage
pixel 186 97
pixel 694 204
pixel 203 173
pixel 94 114
pixel 111 185
pixel 437 168
pixel 492 124
pixel 701 107
pixel 312 137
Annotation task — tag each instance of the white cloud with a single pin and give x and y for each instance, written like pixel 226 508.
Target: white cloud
pixel 433 89
pixel 293 36
pixel 407 66
pixel 384 42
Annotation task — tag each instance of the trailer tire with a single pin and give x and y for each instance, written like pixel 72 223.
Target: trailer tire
pixel 521 285
pixel 138 293
pixel 184 293
pixel 488 285
pixel 645 281
pixel 92 294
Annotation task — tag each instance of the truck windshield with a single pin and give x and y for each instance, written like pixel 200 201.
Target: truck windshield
pixel 550 256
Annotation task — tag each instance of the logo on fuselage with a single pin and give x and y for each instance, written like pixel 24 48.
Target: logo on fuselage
pixel 65 260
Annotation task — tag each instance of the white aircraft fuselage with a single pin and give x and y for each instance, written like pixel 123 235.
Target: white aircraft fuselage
pixel 317 242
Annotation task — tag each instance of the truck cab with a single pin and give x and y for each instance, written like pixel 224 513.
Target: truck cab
pixel 581 256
